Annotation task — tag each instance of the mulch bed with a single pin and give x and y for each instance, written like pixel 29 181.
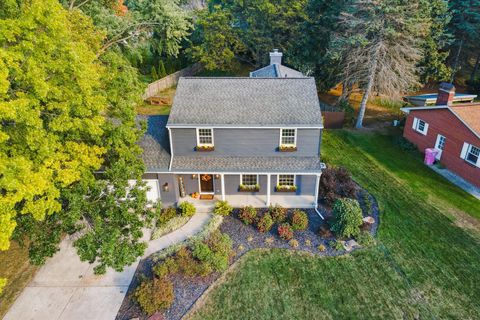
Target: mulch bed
pixel 188 290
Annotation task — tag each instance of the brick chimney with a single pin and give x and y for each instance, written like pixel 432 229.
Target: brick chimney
pixel 446 93
pixel 275 57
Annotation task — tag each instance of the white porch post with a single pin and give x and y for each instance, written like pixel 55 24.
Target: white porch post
pixel 317 186
pixel 222 176
pixel 268 189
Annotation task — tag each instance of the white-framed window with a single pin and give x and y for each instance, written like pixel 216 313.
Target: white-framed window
pixel 420 126
pixel 441 142
pixel 249 180
pixel 471 154
pixel 204 137
pixel 288 137
pixel 286 180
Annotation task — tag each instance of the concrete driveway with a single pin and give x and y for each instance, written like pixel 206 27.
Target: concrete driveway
pixel 66 288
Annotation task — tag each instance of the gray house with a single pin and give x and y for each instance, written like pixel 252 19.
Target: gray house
pixel 250 141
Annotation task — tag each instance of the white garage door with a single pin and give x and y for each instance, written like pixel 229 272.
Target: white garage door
pixel 153 191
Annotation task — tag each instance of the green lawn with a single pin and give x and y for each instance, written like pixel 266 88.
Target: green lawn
pixel 426 263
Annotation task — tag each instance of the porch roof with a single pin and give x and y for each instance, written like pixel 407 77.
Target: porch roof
pixel 246 164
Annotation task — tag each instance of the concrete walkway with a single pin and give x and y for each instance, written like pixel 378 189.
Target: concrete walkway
pixel 458 181
pixel 66 288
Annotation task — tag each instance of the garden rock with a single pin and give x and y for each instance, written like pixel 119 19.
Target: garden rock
pixel 350 244
pixel 369 220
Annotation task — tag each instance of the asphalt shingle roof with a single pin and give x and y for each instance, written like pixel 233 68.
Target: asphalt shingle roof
pixel 155 143
pixel 276 71
pixel 246 102
pixel 246 164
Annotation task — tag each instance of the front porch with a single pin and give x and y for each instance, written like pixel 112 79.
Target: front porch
pixel 257 201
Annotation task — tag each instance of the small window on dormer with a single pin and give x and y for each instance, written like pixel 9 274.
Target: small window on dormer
pixel 205 137
pixel 288 137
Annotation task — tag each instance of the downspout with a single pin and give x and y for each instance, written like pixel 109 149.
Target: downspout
pixel 317 185
pixel 171 149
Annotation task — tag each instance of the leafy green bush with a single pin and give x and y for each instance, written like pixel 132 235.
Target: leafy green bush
pixel 265 223
pixel 190 266
pixel 365 239
pixel 248 215
pixel 166 267
pixel 285 231
pixel 223 208
pixel 299 220
pixel 166 215
pixel 155 295
pixel 347 218
pixel 337 245
pixel 201 251
pixel 187 209
pixel 220 243
pixel 278 213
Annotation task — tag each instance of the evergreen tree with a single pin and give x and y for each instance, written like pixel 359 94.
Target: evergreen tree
pixel 433 66
pixel 382 47
pixel 465 26
pixel 161 69
pixel 154 73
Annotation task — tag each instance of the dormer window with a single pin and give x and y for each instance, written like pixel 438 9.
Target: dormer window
pixel 288 140
pixel 205 139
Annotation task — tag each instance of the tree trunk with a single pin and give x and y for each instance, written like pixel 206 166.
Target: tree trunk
pixel 368 89
pixel 475 68
pixel 457 59
pixel 346 91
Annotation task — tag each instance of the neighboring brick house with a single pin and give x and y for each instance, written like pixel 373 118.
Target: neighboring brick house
pixel 452 129
pixel 248 140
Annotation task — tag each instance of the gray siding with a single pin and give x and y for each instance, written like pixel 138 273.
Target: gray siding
pixel 232 182
pixel 168 198
pixel 305 185
pixel 246 142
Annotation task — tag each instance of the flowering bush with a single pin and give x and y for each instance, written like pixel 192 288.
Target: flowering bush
pixel 299 220
pixel 265 223
pixel 278 213
pixel 248 215
pixel 285 231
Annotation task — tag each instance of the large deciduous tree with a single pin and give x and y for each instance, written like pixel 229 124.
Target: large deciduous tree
pixel 382 46
pixel 67 111
pixel 51 109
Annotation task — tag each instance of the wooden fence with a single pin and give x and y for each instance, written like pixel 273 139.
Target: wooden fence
pixel 170 80
pixel 333 117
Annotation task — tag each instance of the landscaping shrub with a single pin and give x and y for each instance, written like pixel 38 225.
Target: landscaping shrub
pixel 166 267
pixel 155 295
pixel 336 183
pixel 201 251
pixel 248 214
pixel 365 239
pixel 285 231
pixel 223 208
pixel 337 245
pixel 294 243
pixel 322 248
pixel 347 218
pixel 325 232
pixel 278 213
pixel 166 215
pixel 189 266
pixel 220 243
pixel 299 220
pixel 187 209
pixel 265 223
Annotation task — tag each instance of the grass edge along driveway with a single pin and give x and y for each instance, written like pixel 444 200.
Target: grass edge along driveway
pixel 423 266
